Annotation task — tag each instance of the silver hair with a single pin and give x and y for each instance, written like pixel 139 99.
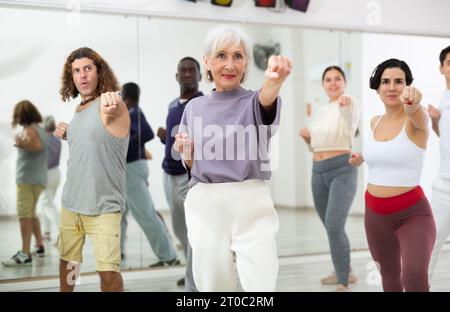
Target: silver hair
pixel 49 123
pixel 223 36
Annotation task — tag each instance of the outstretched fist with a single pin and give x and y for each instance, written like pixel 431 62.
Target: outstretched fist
pixel 278 68
pixel 110 102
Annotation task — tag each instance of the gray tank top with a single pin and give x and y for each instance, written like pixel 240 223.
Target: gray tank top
pixel 31 166
pixel 95 182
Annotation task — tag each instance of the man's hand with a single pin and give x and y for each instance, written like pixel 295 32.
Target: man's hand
pixel 434 113
pixel 161 133
pixel 61 130
pixel 184 146
pixel 110 102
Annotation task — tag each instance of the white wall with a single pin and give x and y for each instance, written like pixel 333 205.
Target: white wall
pixel 399 16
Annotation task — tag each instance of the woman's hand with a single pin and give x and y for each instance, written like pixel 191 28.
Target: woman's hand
pixel 305 135
pixel 185 146
pixel 344 100
pixel 411 98
pixel 278 68
pixel 356 159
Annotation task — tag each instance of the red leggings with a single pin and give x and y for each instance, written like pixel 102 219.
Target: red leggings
pixel 401 238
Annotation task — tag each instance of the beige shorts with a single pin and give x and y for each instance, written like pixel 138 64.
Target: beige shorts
pixel 103 230
pixel 27 197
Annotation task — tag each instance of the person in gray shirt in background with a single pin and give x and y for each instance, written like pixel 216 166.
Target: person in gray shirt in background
pixel 223 139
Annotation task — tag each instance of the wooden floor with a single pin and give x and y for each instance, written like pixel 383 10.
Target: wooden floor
pixel 303 250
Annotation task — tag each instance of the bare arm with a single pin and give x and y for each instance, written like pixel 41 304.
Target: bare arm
pixel 114 114
pixel 29 140
pixel 112 107
pixel 411 98
pixel 278 69
pixel 435 116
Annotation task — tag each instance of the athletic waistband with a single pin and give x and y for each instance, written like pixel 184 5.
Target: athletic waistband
pixel 390 205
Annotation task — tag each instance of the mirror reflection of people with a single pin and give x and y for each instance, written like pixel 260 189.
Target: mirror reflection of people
pixel 399 223
pixel 31 178
pixel 229 207
pixel 93 197
pixel 334 181
pixel 46 203
pixel 139 200
pixel 175 176
pixel 440 200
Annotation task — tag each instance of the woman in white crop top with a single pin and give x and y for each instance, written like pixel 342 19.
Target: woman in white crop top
pixel 330 137
pixel 399 223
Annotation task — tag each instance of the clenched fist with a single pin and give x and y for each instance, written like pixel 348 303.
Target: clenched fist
pixel 61 130
pixel 344 100
pixel 110 102
pixel 356 159
pixel 305 135
pixel 434 113
pixel 184 145
pixel 411 98
pixel 278 68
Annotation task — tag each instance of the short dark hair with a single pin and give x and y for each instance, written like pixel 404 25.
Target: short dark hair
pixel 375 78
pixel 333 67
pixel 191 59
pixel 49 123
pixel 131 91
pixel 443 55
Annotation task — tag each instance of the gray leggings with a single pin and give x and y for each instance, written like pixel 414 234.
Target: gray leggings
pixel 334 187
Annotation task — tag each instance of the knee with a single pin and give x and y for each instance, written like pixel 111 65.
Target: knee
pixel 416 280
pixel 108 278
pixel 334 229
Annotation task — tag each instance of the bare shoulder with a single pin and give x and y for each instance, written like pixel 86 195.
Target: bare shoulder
pixel 30 132
pixel 373 121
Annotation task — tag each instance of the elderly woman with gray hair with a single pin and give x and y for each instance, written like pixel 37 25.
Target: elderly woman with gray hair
pixel 223 140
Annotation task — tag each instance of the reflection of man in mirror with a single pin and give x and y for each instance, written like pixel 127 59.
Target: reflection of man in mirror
pixel 440 200
pixel 175 175
pixel 93 197
pixel 139 200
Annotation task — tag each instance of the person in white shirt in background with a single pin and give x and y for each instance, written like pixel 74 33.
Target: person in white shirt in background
pixel 440 200
pixel 330 138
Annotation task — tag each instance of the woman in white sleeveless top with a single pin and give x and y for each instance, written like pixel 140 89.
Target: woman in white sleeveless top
pixel 399 223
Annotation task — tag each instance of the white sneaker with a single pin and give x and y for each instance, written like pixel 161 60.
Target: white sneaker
pixel 19 259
